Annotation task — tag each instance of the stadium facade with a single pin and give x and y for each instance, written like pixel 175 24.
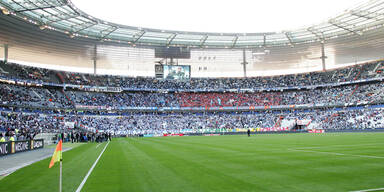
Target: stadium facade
pixel 37 33
pixel 324 78
pixel 55 33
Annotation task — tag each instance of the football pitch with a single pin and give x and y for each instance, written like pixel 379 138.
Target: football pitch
pixel 283 162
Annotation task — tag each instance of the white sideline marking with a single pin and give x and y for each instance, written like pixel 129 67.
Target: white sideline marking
pixel 90 170
pixel 98 145
pixel 341 154
pixel 316 147
pixel 368 190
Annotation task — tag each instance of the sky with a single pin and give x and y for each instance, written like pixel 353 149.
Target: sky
pixel 240 16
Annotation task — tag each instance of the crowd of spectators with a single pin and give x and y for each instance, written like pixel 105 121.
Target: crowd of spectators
pixel 359 119
pixel 32 96
pixel 58 98
pixel 362 93
pixel 25 72
pixel 125 99
pixel 20 125
pixel 314 78
pixel 24 125
pixel 356 72
pixel 16 126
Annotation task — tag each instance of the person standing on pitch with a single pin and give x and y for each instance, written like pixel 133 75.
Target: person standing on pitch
pixel 249 132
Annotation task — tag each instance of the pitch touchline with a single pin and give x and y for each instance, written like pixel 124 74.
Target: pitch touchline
pixel 369 190
pixel 90 170
pixel 315 147
pixel 341 154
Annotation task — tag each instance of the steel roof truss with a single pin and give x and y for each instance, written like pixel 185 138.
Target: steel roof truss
pixel 316 33
pixel 61 19
pixel 108 32
pixel 171 38
pixel 81 27
pixel 50 6
pixel 234 41
pixel 289 37
pixel 342 26
pixel 203 40
pixel 367 15
pixel 138 36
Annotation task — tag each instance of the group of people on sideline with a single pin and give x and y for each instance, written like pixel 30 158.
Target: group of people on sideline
pixel 77 137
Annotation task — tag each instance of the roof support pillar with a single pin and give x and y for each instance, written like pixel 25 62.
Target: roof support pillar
pixel 5 53
pixel 244 63
pixel 94 59
pixel 323 56
pixel 264 41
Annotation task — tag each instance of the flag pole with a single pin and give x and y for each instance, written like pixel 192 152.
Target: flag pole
pixel 61 171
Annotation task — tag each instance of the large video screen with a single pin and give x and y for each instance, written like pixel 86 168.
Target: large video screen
pixel 178 72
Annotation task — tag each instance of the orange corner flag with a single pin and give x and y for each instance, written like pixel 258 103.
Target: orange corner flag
pixel 57 155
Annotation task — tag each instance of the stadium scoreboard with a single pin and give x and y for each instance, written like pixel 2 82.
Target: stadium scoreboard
pixel 176 72
pixel 173 52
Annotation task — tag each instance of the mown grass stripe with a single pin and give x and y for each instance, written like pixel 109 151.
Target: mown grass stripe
pixel 338 154
pixel 223 164
pixel 91 169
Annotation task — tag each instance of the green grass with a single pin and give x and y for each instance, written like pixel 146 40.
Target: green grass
pixel 293 162
pixel 39 178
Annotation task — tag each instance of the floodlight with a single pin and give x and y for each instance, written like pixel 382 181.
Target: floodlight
pixel 4 11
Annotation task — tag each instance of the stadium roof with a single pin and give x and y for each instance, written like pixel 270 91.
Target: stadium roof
pixel 65 17
pixel 218 16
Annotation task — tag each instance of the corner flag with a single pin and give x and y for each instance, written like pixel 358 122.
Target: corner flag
pixel 57 155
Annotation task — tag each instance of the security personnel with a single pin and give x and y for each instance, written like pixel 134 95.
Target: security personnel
pixel 2 139
pixel 12 138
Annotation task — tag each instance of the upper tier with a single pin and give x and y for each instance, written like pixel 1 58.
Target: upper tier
pixel 357 72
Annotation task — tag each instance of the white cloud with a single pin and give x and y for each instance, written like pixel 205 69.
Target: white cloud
pixel 216 15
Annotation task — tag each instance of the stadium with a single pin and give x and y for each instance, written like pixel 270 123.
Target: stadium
pixel 89 103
